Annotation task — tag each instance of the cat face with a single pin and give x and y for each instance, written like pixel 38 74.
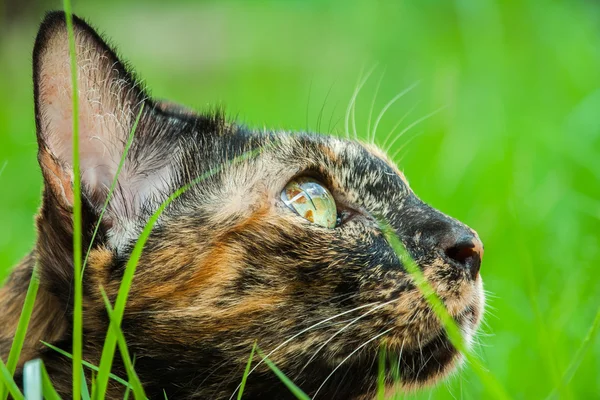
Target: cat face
pixel 281 246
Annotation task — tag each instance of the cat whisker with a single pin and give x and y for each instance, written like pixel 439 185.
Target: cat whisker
pixel 404 145
pixel 329 126
pixel 348 357
pixel 308 104
pixel 400 121
pixel 320 115
pixel 342 329
pixel 373 106
pixel 350 109
pixel 390 103
pixel 418 121
pixel 423 364
pixel 300 333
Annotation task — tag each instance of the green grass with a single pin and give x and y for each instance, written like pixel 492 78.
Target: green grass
pixel 246 373
pixel 514 154
pixel 134 380
pixel 19 338
pixel 77 228
pixel 295 390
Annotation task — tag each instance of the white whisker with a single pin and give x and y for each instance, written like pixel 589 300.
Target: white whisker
pixel 348 356
pixel 298 334
pixel 352 322
pixel 353 101
pixel 389 135
pixel 373 106
pixel 390 103
pixel 404 145
pixel 413 125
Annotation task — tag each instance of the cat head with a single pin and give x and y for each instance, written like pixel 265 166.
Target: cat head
pixel 276 240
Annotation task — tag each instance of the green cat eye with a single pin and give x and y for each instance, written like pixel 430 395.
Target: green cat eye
pixel 311 200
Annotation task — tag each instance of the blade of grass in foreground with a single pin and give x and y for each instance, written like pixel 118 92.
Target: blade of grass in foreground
pixel 452 329
pixel 581 352
pixel 87 365
pixel 381 373
pixel 77 245
pixel 9 382
pixel 246 372
pixel 3 167
pixel 138 389
pixel 21 332
pixel 284 379
pixel 36 382
pixel 123 293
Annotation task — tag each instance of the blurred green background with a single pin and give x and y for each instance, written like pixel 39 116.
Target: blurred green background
pixel 515 152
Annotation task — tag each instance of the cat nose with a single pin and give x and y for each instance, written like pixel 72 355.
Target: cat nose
pixel 465 250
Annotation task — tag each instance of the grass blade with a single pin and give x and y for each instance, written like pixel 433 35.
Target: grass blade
pixel 36 382
pixel 123 293
pixel 452 330
pixel 77 245
pixel 7 378
pixel 21 332
pixel 134 380
pixel 85 393
pixel 246 372
pixel 87 365
pixel 581 352
pixel 381 373
pixel 32 380
pixel 286 381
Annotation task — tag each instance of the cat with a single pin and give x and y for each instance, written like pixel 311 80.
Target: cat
pixel 282 247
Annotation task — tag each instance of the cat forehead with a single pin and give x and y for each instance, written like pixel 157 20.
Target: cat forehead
pixel 361 173
pixel 358 160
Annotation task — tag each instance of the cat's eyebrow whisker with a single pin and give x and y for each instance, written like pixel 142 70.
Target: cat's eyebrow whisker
pixel 352 322
pixel 348 357
pixel 351 105
pixel 320 115
pixel 400 121
pixel 308 103
pixel 373 106
pixel 404 145
pixel 300 333
pixel 418 121
pixel 390 103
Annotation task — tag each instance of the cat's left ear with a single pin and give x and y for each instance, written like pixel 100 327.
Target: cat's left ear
pixel 109 102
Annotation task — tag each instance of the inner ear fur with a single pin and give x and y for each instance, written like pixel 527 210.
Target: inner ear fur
pixel 109 99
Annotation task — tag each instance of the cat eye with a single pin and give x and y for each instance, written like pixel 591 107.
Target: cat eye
pixel 311 200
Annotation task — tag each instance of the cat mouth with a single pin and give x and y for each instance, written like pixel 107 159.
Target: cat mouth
pixel 435 356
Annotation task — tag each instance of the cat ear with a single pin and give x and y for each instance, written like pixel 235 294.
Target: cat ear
pixel 109 102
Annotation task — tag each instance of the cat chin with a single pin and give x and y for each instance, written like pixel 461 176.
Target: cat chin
pixel 436 358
